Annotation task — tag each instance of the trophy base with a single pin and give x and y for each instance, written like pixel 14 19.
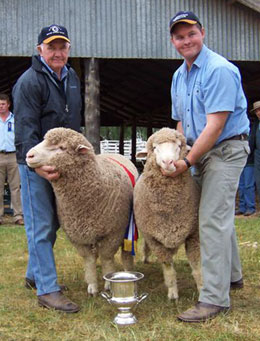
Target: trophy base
pixel 124 319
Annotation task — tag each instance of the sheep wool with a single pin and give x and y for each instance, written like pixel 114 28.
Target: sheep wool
pixel 166 210
pixel 94 197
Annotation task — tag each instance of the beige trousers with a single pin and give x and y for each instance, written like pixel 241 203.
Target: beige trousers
pixel 9 172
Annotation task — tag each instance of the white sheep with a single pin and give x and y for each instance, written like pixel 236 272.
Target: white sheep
pixel 94 197
pixel 166 208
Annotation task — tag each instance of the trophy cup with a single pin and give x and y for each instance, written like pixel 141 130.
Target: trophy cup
pixel 124 297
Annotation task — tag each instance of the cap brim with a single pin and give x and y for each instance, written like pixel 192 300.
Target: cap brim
pixel 188 21
pixel 48 40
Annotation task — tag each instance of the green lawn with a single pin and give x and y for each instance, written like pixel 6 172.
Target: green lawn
pixel 22 319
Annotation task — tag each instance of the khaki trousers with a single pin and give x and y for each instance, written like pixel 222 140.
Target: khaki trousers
pixel 9 171
pixel 218 174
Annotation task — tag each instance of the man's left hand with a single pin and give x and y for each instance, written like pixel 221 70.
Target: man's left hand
pixel 181 167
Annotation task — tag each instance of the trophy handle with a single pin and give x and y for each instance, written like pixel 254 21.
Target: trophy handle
pixel 106 296
pixel 142 297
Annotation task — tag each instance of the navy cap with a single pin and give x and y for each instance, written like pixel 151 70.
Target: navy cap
pixel 184 16
pixel 52 32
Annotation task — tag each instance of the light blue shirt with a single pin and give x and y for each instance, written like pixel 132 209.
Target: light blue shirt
pixel 7 134
pixel 212 85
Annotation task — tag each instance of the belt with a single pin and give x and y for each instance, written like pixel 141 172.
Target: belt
pixel 240 137
pixel 5 152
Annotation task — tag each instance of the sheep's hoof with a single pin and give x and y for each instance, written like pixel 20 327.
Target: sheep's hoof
pixel 93 290
pixel 146 261
pixel 172 294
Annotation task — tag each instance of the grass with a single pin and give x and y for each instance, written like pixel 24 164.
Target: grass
pixel 21 319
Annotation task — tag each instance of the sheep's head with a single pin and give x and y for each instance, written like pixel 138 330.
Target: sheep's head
pixel 164 148
pixel 61 148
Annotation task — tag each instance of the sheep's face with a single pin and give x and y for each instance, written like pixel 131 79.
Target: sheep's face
pixel 167 154
pixel 164 148
pixel 60 146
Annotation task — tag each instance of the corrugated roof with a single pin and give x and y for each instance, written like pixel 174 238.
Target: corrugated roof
pixel 129 28
pixel 254 4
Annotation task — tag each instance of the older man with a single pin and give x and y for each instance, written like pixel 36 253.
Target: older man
pixel 46 96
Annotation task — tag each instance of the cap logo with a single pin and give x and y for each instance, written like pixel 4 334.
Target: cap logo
pixel 181 16
pixel 55 29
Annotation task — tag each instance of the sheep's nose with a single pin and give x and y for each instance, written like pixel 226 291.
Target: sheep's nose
pixel 30 155
pixel 168 163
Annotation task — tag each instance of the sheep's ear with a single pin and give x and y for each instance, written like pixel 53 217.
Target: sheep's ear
pixel 81 149
pixel 142 154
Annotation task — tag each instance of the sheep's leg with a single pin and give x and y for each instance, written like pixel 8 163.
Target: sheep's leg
pixel 146 253
pixel 127 260
pixel 107 261
pixel 192 249
pixel 170 280
pixel 90 257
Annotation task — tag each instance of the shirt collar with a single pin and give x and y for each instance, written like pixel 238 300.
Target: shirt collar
pixel 9 117
pixel 198 61
pixel 64 70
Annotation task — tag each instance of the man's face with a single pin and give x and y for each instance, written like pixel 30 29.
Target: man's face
pixel 4 107
pixel 257 112
pixel 188 41
pixel 55 54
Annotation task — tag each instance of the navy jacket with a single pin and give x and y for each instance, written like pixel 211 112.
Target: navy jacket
pixel 40 104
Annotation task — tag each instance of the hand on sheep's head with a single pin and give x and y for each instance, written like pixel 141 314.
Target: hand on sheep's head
pixel 180 167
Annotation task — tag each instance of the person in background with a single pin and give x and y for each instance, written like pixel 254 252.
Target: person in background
pixel 46 96
pixel 210 107
pixel 255 144
pixel 8 164
pixel 246 187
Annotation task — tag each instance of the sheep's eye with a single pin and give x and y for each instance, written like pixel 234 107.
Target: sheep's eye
pixel 62 148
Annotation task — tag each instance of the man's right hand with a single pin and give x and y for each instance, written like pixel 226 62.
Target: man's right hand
pixel 47 172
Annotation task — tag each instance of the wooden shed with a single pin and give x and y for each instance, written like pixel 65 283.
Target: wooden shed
pixel 121 50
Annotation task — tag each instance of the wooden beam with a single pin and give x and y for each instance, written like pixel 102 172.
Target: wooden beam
pixel 121 139
pixel 133 152
pixel 92 102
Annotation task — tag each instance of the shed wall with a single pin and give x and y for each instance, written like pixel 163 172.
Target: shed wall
pixel 128 28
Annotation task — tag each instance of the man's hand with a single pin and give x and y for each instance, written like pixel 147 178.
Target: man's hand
pixel 181 167
pixel 47 172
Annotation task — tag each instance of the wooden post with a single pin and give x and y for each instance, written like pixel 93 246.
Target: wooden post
pixel 92 102
pixel 121 139
pixel 133 152
pixel 149 128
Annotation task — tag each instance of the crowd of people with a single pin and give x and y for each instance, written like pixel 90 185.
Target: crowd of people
pixel 210 108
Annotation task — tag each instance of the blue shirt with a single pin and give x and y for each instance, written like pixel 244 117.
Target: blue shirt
pixel 7 134
pixel 213 84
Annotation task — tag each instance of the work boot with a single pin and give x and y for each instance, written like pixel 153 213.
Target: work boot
pixel 56 300
pixel 202 312
pixel 237 284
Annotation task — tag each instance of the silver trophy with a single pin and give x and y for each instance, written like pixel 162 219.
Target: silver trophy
pixel 124 297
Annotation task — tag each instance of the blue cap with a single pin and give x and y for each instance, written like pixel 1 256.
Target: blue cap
pixel 184 16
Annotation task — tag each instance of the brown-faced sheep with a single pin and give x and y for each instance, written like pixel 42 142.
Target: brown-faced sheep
pixel 94 197
pixel 166 208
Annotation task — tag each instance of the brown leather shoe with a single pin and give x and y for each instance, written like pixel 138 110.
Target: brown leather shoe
pixel 19 222
pixel 30 284
pixel 56 300
pixel 237 285
pixel 202 312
